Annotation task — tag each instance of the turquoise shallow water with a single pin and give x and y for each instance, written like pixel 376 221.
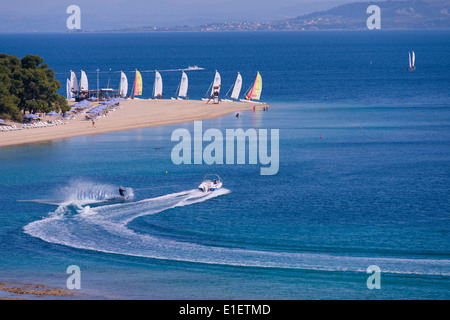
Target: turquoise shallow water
pixel 363 176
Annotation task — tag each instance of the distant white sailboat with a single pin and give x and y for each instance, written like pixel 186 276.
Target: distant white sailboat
pixel 182 87
pixel 412 61
pixel 237 86
pixel 158 86
pixel 123 88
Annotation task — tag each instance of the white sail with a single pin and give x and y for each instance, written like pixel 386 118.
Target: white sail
pixel 237 87
pixel 69 89
pixel 409 53
pixel 413 58
pixel 83 82
pixel 183 85
pixel 158 87
pixel 216 83
pixel 73 81
pixel 123 85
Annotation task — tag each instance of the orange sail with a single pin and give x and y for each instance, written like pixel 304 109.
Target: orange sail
pixel 137 84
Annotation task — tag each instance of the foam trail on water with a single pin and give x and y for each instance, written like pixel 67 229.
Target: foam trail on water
pixel 104 228
pixel 83 192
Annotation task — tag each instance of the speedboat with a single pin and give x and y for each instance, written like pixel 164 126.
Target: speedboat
pixel 194 68
pixel 211 182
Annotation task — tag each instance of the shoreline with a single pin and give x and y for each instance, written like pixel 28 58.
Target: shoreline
pixel 131 114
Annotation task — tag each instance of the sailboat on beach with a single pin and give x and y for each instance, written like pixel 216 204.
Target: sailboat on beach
pixel 254 93
pixel 72 86
pixel 157 86
pixel 137 88
pixel 84 85
pixel 237 86
pixel 69 89
pixel 412 61
pixel 123 88
pixel 182 87
pixel 215 86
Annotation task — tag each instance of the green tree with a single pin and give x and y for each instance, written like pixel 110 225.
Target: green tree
pixel 27 85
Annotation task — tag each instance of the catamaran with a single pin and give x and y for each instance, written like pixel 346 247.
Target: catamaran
pixel 236 89
pixel 182 87
pixel 137 88
pixel 254 93
pixel 72 85
pixel 123 88
pixel 412 61
pixel 157 86
pixel 73 81
pixel 215 87
pixel 80 91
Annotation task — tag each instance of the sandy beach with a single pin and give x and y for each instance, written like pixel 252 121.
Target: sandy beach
pixel 132 114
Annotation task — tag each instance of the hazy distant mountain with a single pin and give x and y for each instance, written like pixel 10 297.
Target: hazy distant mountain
pixel 407 14
pixel 400 14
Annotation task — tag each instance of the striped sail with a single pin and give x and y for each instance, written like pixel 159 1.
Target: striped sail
pixel 255 91
pixel 123 85
pixel 158 87
pixel 237 87
pixel 137 84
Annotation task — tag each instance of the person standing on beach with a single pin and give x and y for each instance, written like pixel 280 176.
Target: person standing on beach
pixel 93 123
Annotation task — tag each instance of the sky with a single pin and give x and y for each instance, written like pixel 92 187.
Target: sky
pixel 51 16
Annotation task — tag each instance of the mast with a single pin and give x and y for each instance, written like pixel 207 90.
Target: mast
pixel 134 86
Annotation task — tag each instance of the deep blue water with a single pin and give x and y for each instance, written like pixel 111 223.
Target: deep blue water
pixel 363 178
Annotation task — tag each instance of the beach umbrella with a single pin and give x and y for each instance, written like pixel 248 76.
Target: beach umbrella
pixel 31 116
pixel 1 120
pixel 53 113
pixel 95 110
pixel 109 102
pixel 82 104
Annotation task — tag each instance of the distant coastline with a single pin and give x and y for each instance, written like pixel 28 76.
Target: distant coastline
pixel 396 15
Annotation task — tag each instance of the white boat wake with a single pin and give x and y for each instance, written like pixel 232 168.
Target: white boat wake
pixel 104 229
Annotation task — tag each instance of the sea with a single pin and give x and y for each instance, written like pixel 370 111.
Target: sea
pixel 358 209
